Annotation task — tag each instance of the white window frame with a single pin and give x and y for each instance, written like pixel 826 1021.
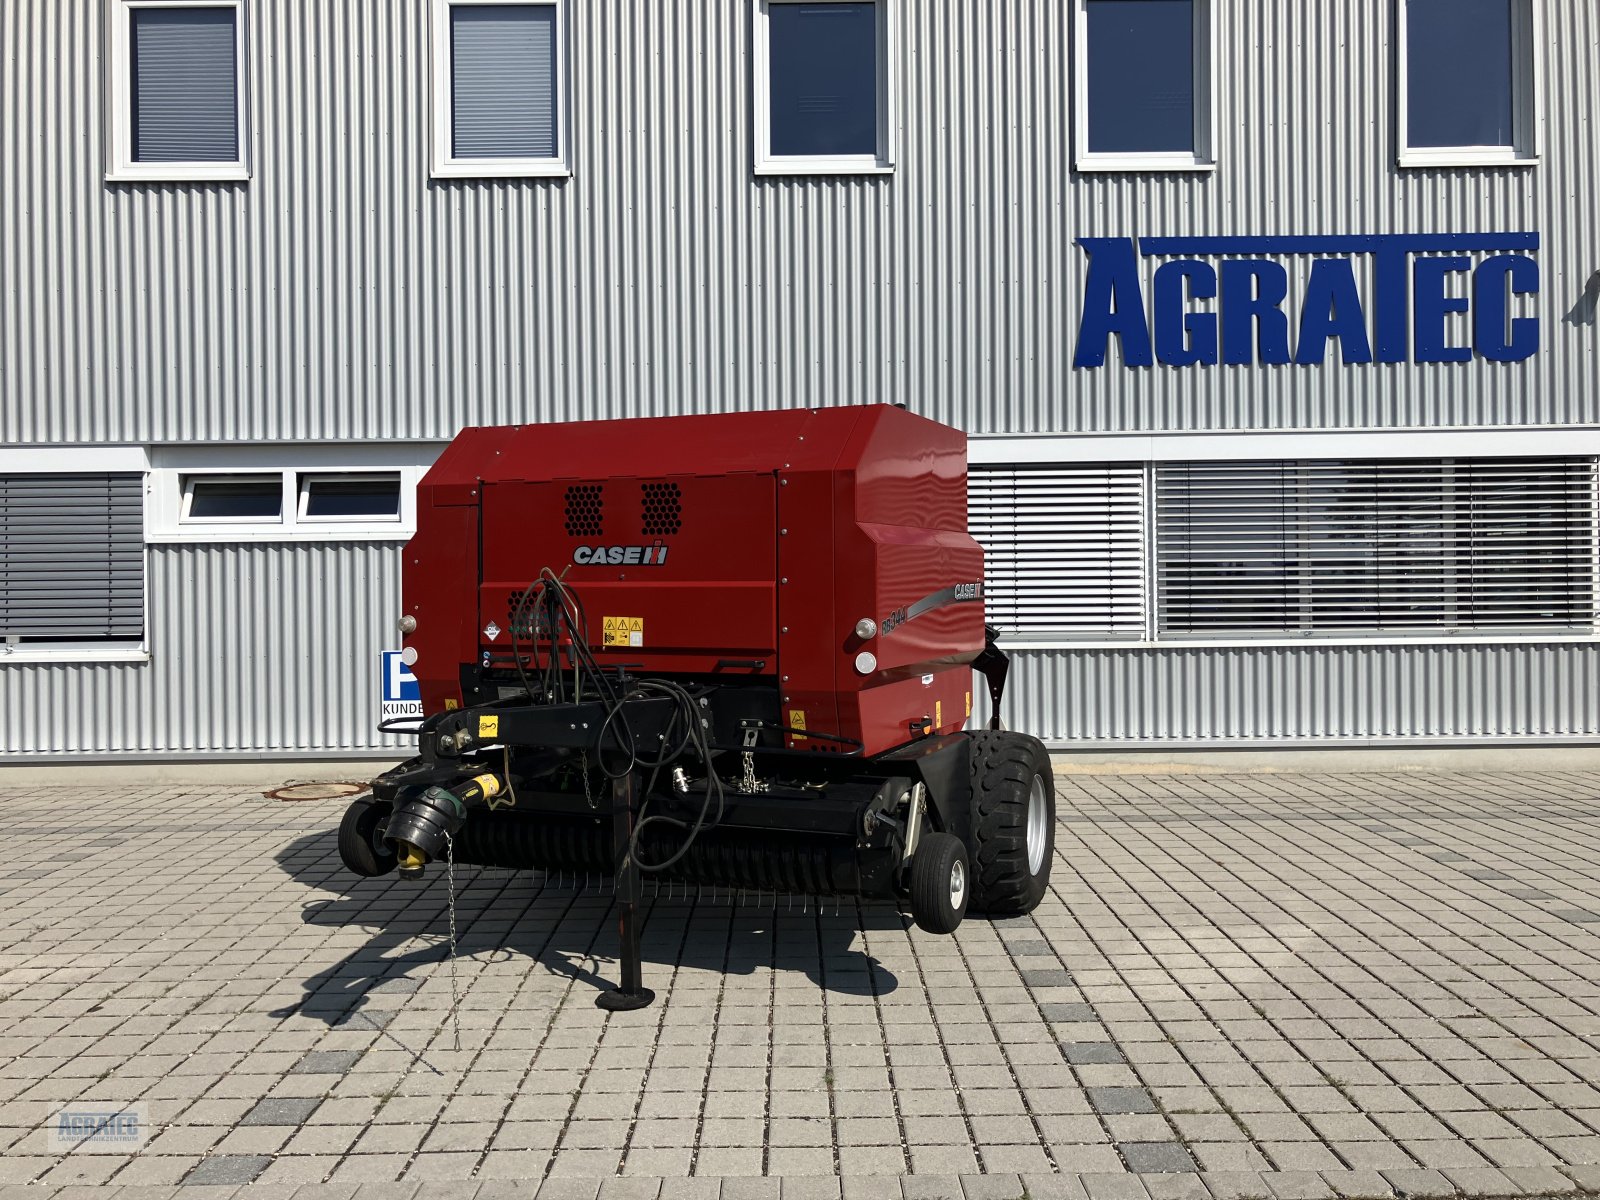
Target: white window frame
pixel 1527 74
pixel 1204 156
pixel 187 480
pixel 445 165
pixel 120 164
pixel 882 162
pixel 304 478
pixel 291 464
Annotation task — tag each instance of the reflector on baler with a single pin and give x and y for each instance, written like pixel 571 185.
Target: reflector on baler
pixel 732 649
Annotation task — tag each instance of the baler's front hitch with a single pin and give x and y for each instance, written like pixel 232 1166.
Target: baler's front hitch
pixel 423 824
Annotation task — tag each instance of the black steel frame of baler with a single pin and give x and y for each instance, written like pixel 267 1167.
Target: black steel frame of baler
pixel 854 824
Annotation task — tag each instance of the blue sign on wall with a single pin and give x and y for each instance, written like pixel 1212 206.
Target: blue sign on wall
pixel 1420 280
pixel 400 693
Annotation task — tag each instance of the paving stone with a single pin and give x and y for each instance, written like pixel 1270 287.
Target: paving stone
pixel 281 1110
pixel 1581 916
pixel 1359 1185
pixel 576 1188
pixel 327 1062
pixel 1175 1187
pixel 1298 1185
pixel 751 1189
pixel 225 1169
pixel 1540 1181
pixel 1081 1054
pixel 931 1187
pixel 1121 1100
pixel 1156 1157
pixel 1067 1010
pixel 1424 1183
pixel 1046 977
pixel 630 1189
pixel 808 1187
pixel 1065 1186
pixel 1003 1185
pixel 865 1187
pixel 1481 1181
pixel 701 1189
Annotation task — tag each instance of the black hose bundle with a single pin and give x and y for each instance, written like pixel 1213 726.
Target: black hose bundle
pixel 564 608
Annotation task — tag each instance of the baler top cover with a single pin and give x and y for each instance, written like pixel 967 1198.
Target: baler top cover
pixel 822 550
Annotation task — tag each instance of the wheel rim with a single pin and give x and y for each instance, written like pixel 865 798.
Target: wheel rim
pixel 1038 826
pixel 958 884
pixel 380 847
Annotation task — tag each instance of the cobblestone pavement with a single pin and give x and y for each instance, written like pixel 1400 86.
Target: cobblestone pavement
pixel 1263 985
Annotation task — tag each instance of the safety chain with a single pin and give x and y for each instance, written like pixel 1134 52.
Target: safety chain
pixel 450 894
pixel 750 784
pixel 588 793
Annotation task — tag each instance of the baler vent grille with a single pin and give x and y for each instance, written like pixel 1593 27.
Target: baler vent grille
pixel 524 622
pixel 662 510
pixel 584 501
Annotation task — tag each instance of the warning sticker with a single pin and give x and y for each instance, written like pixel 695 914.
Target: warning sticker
pixel 797 720
pixel 938 715
pixel 622 631
pixel 488 726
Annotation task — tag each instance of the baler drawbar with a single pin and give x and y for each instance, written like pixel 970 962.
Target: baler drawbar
pixel 734 651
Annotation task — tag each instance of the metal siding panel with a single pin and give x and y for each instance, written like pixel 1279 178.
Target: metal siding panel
pixel 257 648
pixel 1307 695
pixel 341 294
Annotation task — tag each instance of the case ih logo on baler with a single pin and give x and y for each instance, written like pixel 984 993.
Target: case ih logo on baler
pixel 652 555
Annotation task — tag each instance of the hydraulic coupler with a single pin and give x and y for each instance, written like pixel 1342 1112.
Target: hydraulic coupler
pixel 424 823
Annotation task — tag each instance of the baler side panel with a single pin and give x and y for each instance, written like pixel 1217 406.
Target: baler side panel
pixel 810 637
pixel 439 578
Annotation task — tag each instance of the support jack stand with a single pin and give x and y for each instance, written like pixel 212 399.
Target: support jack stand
pixel 631 993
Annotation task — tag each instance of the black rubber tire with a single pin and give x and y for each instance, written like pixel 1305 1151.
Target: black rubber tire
pixel 360 849
pixel 932 866
pixel 1004 767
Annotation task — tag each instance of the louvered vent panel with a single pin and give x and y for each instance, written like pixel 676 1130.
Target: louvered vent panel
pixel 1064 548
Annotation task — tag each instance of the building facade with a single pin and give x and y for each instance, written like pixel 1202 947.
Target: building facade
pixel 1273 327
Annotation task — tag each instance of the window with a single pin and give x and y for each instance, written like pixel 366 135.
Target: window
pixel 1467 82
pixel 233 498
pixel 71 559
pixel 1064 548
pixel 350 497
pixel 1376 547
pixel 1144 85
pixel 272 494
pixel 824 86
pixel 176 100
pixel 498 89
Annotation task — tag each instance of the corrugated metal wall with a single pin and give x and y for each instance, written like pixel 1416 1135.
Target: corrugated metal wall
pixel 258 648
pixel 274 649
pixel 1316 695
pixel 342 294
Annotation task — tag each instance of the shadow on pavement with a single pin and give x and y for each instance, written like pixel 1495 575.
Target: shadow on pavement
pixel 563 930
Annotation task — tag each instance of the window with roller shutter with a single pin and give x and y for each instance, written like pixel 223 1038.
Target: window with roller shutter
pixel 1380 547
pixel 175 88
pixel 498 89
pixel 71 558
